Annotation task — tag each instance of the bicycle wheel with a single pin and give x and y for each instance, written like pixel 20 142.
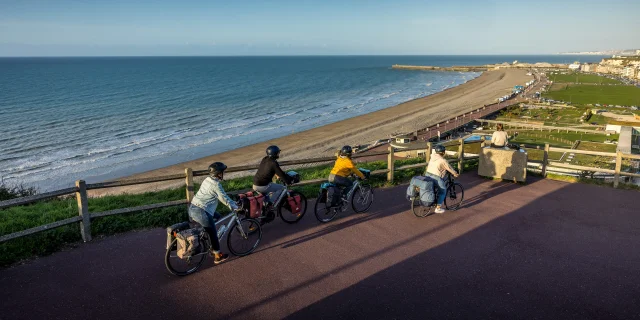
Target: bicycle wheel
pixel 419 210
pixel 324 212
pixel 362 198
pixel 455 194
pixel 284 210
pixel 244 237
pixel 182 267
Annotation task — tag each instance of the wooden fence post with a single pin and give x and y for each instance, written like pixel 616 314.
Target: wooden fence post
pixel 390 165
pixel 545 159
pixel 83 210
pixel 616 179
pixel 460 155
pixel 427 154
pixel 189 182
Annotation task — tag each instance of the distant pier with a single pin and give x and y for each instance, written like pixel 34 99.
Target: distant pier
pixel 539 65
pixel 454 68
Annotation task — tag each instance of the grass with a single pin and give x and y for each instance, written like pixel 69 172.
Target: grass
pixel 582 78
pixel 589 94
pixel 23 217
pixel 593 146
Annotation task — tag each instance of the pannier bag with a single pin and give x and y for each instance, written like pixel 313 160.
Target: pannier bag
pixel 252 204
pixel 188 242
pixel 423 187
pixel 294 204
pixel 175 228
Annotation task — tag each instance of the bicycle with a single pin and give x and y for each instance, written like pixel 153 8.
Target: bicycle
pixel 243 238
pixel 361 194
pixel 281 207
pixel 453 200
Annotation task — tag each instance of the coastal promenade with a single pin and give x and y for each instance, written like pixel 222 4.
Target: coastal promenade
pixel 323 141
pixel 544 250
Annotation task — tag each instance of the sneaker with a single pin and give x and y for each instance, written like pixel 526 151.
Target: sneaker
pixel 220 258
pixel 439 210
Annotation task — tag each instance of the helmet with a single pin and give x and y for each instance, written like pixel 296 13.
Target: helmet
pixel 217 168
pixel 346 151
pixel 439 149
pixel 273 152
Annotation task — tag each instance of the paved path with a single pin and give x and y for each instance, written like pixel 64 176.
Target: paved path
pixel 547 250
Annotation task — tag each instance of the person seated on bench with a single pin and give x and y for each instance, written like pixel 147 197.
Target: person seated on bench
pixel 437 169
pixel 499 139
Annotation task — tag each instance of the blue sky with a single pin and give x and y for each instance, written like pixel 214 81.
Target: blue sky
pixel 87 28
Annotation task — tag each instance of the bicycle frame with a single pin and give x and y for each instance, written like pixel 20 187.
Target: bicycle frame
pixel 353 188
pixel 285 192
pixel 233 217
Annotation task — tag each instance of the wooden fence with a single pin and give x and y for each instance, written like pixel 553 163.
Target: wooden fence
pixel 618 168
pixel 85 217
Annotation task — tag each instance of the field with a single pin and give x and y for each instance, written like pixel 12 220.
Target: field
pixel 590 94
pixel 581 78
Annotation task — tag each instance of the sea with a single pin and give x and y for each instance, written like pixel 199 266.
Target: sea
pixel 98 118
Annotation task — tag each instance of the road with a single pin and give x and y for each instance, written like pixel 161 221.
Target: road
pixel 545 250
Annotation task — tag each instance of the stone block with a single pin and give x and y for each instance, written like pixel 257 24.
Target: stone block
pixel 503 164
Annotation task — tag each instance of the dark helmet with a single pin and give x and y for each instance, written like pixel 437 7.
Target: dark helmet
pixel 217 168
pixel 439 149
pixel 273 152
pixel 346 151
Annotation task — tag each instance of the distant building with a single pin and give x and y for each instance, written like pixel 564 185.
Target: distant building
pixel 574 66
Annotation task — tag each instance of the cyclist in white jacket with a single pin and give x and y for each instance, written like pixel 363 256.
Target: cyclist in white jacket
pixel 203 206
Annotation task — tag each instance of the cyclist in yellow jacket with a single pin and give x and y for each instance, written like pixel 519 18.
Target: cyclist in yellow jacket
pixel 343 168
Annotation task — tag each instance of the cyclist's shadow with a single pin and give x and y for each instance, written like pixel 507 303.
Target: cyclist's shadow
pixel 337 225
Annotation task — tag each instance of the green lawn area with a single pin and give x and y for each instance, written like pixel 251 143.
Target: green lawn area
pixel 594 146
pixel 590 94
pixel 581 78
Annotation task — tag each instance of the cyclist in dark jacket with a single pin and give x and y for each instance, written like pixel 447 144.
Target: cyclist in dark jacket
pixel 269 167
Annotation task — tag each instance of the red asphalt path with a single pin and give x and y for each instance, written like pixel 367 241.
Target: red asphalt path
pixel 545 250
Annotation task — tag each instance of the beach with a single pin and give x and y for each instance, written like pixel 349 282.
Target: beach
pixel 325 140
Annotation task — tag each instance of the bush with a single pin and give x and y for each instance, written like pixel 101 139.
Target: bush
pixel 16 191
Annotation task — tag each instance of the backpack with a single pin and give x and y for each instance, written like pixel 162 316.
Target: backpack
pixel 188 243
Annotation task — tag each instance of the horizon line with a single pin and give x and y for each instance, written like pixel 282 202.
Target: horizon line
pixel 295 55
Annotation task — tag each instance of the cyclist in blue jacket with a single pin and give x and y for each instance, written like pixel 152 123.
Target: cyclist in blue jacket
pixel 203 206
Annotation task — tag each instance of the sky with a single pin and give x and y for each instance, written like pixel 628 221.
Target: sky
pixel 237 27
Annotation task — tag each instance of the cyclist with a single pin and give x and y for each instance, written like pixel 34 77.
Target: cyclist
pixel 203 206
pixel 269 167
pixel 343 168
pixel 437 169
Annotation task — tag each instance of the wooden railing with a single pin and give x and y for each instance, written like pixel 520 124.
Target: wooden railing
pixel 617 172
pixel 85 217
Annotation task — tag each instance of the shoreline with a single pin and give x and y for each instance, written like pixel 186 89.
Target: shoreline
pixel 324 140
